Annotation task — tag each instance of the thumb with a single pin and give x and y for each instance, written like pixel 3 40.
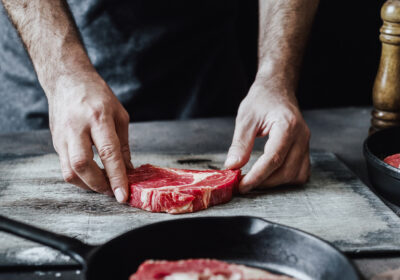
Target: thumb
pixel 242 144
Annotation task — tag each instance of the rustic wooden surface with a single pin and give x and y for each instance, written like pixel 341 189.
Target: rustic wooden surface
pixel 334 205
pixel 331 131
pixel 386 91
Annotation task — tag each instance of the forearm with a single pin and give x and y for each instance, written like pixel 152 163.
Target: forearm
pixel 270 108
pixel 283 30
pixel 50 36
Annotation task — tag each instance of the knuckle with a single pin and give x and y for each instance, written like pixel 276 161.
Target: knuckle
pixel 242 108
pixel 244 114
pixel 79 164
pixel 116 179
pixel 244 117
pixel 125 148
pixel 237 145
pixel 69 123
pixel 276 160
pixel 107 152
pixel 293 122
pixel 125 117
pixel 97 112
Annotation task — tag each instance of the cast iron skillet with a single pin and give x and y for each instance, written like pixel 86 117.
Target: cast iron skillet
pixel 384 177
pixel 240 239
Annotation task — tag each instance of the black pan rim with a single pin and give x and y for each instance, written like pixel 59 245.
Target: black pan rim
pixel 376 161
pixel 305 234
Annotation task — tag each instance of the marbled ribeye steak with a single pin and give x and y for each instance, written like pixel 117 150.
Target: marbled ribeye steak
pixel 177 191
pixel 201 269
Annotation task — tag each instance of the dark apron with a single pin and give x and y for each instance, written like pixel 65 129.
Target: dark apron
pixel 163 60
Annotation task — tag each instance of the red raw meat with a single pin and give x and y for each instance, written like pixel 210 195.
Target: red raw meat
pixel 179 191
pixel 201 269
pixel 393 160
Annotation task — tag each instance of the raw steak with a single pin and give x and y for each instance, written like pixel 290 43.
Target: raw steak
pixel 179 191
pixel 201 269
pixel 393 160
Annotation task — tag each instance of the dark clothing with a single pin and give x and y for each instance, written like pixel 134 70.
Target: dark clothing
pixel 163 60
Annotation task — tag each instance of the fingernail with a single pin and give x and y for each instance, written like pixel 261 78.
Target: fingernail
pixel 231 161
pixel 119 195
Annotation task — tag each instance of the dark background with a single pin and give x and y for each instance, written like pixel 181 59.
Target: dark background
pixel 342 55
pixel 339 65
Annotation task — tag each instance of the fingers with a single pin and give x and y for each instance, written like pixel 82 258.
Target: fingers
pixel 81 160
pixel 108 146
pixel 295 170
pixel 68 174
pixel 275 152
pixel 242 144
pixel 305 171
pixel 122 128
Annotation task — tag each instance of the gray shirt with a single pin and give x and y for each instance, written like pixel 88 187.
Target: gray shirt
pixel 163 59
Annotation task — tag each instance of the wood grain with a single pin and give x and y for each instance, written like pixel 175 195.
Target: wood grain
pixel 334 205
pixel 386 91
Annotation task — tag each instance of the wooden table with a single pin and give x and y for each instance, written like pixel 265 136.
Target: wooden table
pixel 340 131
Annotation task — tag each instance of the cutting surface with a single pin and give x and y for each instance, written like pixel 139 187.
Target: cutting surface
pixel 334 205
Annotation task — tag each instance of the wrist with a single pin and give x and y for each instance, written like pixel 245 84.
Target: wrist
pixel 80 83
pixel 72 63
pixel 277 76
pixel 275 84
pixel 68 80
pixel 274 87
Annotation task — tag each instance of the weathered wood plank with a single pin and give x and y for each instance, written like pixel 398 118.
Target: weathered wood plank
pixel 334 205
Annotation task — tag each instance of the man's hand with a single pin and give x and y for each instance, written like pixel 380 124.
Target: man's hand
pixel 84 112
pixel 271 110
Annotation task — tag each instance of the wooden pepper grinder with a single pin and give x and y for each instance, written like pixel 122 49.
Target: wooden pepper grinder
pixel 386 91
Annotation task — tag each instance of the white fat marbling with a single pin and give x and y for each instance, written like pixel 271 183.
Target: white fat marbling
pixel 196 276
pixel 183 209
pixel 145 196
pixel 197 177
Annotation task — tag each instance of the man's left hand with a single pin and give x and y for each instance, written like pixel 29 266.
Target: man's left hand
pixel 271 110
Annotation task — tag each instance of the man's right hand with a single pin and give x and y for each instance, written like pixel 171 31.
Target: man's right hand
pixel 83 112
